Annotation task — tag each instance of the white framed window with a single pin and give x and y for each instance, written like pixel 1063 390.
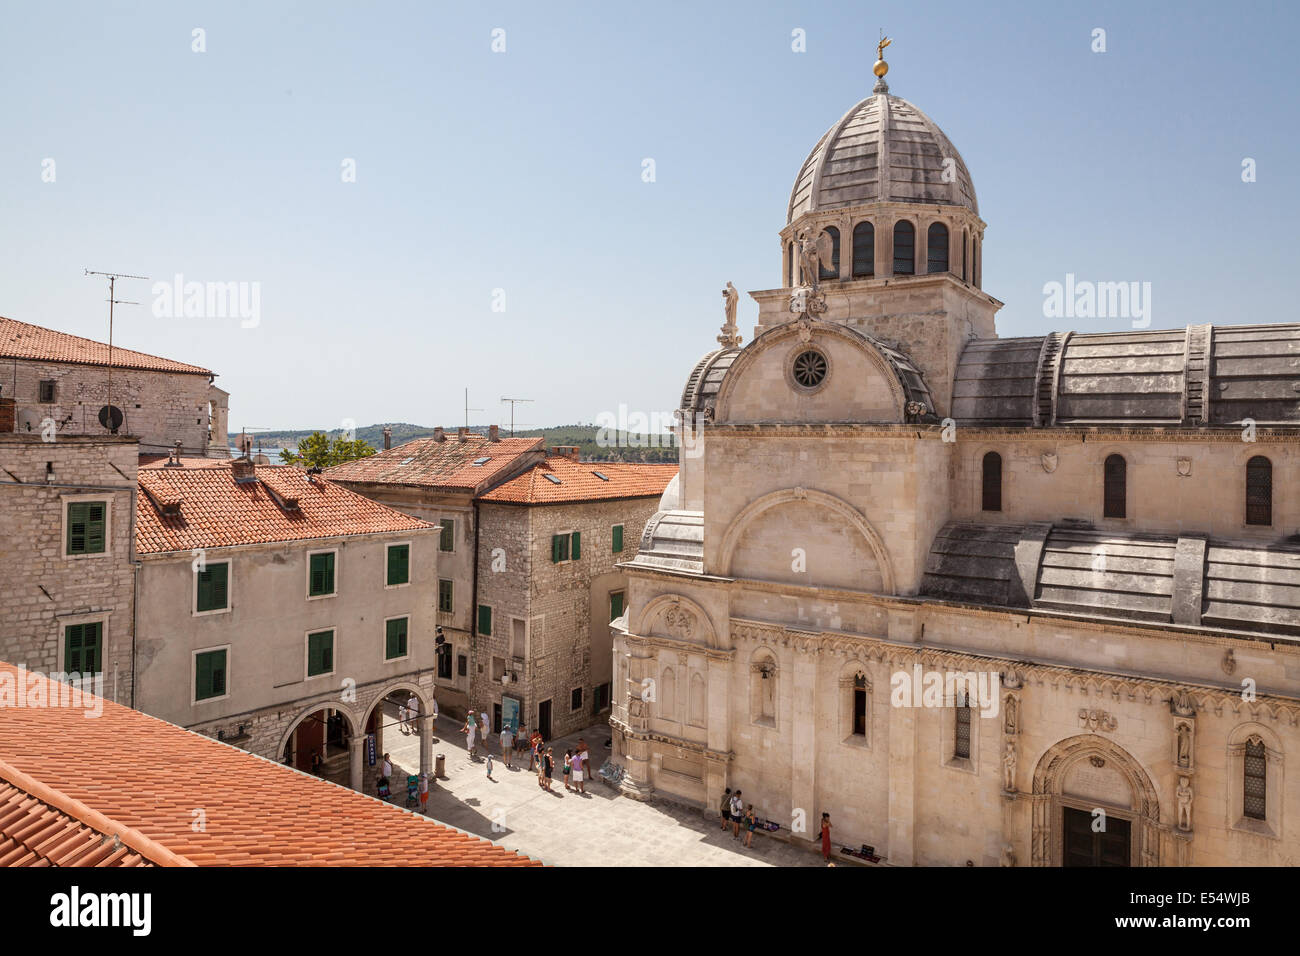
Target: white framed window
pixel 87 526
pixel 210 674
pixel 319 646
pixel 397 565
pixel 322 574
pixel 397 639
pixel 81 639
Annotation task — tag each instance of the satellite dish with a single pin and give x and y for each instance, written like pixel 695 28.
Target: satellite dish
pixel 110 416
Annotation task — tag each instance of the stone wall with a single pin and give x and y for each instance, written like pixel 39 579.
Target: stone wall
pixel 43 589
pixel 159 408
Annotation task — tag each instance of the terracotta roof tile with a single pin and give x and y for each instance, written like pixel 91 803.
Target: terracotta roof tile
pixel 160 461
pixel 33 833
pixel 24 341
pixel 216 511
pixel 428 463
pixel 559 479
pixel 150 775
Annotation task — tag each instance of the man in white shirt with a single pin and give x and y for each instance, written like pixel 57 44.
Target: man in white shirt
pixel 413 712
pixel 737 811
pixel 402 723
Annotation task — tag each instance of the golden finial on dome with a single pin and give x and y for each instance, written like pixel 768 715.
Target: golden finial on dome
pixel 881 67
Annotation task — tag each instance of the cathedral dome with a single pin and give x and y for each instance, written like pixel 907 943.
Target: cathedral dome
pixel 882 150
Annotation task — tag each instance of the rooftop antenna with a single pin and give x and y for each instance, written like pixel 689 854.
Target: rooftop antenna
pixel 513 402
pixel 109 421
pixel 468 409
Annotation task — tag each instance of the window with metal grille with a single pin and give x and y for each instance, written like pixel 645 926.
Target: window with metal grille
pixel 47 391
pixel 992 482
pixel 1254 779
pixel 1116 490
pixel 904 248
pixel 833 272
pixel 936 248
pixel 864 249
pixel 1259 491
pixel 860 705
pixel 961 738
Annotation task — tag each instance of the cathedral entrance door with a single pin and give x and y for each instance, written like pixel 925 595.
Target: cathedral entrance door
pixel 1084 847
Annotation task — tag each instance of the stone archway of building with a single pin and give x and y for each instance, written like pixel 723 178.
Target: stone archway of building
pixel 682 619
pixel 327 727
pixel 849 514
pixel 410 757
pixel 1084 774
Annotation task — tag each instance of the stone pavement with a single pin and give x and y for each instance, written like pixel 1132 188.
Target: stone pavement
pixel 601 828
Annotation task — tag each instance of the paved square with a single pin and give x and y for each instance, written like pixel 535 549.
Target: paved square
pixel 599 828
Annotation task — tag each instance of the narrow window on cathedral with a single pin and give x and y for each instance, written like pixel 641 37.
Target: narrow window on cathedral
pixel 864 250
pixel 904 248
pixel 965 253
pixel 789 265
pixel 1259 491
pixel 961 736
pixel 992 482
pixel 860 705
pixel 1116 491
pixel 833 272
pixel 936 246
pixel 1254 780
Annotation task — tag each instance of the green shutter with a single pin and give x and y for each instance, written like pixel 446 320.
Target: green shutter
pixel 95 530
pixel 209 674
pixel 447 538
pixel 322 575
pixel 444 595
pixel 395 639
pixel 83 651
pixel 615 605
pixel 320 653
pixel 576 551
pixel 213 588
pixel 399 564
pixel 555 549
pixel 484 619
pixel 618 538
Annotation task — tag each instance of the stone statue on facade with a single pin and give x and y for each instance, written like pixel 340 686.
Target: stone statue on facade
pixel 729 339
pixel 1184 803
pixel 811 255
pixel 1010 725
pixel 1009 766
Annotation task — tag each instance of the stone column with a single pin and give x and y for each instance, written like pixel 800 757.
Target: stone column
pixel 803 715
pixel 718 725
pixel 356 760
pixel 902 783
pixel 426 742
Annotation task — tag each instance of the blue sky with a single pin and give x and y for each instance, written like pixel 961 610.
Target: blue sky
pixel 521 171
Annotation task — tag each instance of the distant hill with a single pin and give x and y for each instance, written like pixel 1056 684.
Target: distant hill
pixel 623 446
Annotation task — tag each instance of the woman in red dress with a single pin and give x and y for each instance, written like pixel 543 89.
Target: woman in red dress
pixel 826 837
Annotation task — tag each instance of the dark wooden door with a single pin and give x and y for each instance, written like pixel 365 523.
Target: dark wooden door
pixel 1083 847
pixel 544 719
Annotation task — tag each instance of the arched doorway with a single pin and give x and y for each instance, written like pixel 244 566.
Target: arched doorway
pixel 323 730
pixel 402 729
pixel 1093 805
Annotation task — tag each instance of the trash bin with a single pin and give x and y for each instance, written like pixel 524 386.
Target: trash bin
pixel 440 767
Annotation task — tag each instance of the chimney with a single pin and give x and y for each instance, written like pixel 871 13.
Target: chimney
pixel 462 434
pixel 566 451
pixel 494 433
pixel 439 434
pixel 388 438
pixel 242 470
pixel 174 460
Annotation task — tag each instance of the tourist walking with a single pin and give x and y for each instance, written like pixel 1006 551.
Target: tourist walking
pixel 488 754
pixel 470 730
pixel 579 772
pixel 535 748
pixel 385 770
pixel 507 743
pixel 737 810
pixel 826 837
pixel 402 721
pixel 724 808
pixel 568 767
pixel 550 766
pixel 750 823
pixel 413 712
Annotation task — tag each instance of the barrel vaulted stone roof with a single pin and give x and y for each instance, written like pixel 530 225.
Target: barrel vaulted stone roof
pixel 1199 375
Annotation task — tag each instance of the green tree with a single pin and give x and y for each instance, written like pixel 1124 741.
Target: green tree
pixel 317 450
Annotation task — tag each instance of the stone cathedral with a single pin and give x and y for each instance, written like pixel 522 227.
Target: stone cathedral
pixel 877 493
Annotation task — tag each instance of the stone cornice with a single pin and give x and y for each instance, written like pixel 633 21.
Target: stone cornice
pixel 681 647
pixel 1088 681
pixel 1081 434
pixel 671 741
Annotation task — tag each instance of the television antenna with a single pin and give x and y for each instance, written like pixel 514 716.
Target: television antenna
pixel 513 402
pixel 109 421
pixel 468 409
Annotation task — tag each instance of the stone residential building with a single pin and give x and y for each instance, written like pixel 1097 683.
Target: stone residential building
pixel 437 479
pixel 551 545
pixel 1102 529
pixel 277 611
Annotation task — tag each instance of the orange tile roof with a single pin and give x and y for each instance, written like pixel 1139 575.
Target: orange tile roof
pixel 34 833
pixel 149 776
pixel 578 481
pixel 23 341
pixel 215 511
pixel 159 461
pixel 428 463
